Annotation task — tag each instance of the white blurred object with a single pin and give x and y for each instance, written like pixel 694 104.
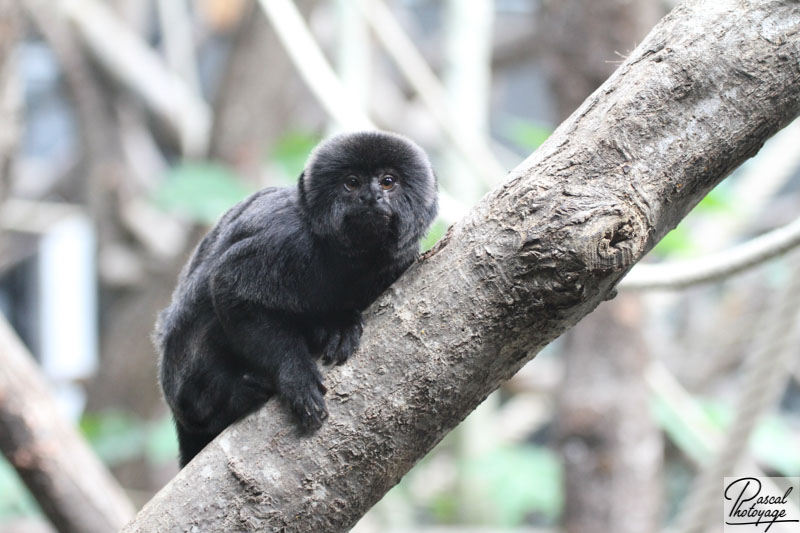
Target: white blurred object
pixel 65 290
pixel 68 298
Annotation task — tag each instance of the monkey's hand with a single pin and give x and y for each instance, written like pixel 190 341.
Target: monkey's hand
pixel 341 340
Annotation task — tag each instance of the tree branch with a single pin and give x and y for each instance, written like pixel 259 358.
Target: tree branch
pixel 714 267
pixel 74 489
pixel 138 67
pixel 700 95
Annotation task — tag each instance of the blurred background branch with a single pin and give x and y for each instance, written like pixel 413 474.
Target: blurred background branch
pixel 74 489
pixel 133 63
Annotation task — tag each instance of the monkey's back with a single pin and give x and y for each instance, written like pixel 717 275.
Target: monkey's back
pixel 190 317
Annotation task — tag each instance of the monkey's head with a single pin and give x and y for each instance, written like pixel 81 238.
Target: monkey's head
pixel 369 191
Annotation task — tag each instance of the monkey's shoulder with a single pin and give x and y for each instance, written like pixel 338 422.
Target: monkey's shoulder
pixel 267 219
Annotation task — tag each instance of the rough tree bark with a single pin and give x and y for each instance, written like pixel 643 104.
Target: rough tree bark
pixel 700 95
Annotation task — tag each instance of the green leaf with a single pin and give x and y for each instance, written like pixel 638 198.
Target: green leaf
pixel 200 191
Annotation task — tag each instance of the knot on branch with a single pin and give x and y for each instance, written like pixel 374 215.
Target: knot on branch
pixel 615 250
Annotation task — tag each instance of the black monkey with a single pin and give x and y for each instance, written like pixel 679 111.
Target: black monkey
pixel 283 277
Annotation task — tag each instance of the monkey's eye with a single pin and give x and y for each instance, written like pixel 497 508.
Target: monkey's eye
pixel 387 182
pixel 351 183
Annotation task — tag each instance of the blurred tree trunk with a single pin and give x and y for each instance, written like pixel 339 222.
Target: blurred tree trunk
pixel 261 95
pixel 609 442
pixel 107 184
pixel 9 91
pixel 536 255
pixel 585 40
pixel 610 445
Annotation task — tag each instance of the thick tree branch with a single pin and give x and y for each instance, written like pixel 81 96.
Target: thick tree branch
pixel 700 95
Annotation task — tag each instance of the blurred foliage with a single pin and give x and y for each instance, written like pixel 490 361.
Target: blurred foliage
pixel 525 133
pixel 515 484
pixel 118 436
pixel 774 443
pixel 115 436
pixel 677 243
pixel 161 444
pixel 291 152
pixel 200 191
pixel 671 421
pixel 15 500
pixel 437 231
pixel 519 481
pixel 682 241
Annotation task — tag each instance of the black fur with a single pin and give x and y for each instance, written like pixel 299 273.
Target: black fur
pixel 283 277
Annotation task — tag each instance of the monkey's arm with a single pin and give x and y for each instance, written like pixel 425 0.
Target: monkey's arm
pixel 242 278
pixel 274 356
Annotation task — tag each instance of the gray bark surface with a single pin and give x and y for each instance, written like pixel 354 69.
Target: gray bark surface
pixel 700 95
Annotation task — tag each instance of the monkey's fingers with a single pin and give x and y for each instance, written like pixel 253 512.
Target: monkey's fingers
pixel 351 337
pixel 329 352
pixel 307 403
pixel 311 412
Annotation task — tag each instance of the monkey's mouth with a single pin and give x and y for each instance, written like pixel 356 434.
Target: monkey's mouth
pixel 381 217
pixel 372 228
pixel 371 215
